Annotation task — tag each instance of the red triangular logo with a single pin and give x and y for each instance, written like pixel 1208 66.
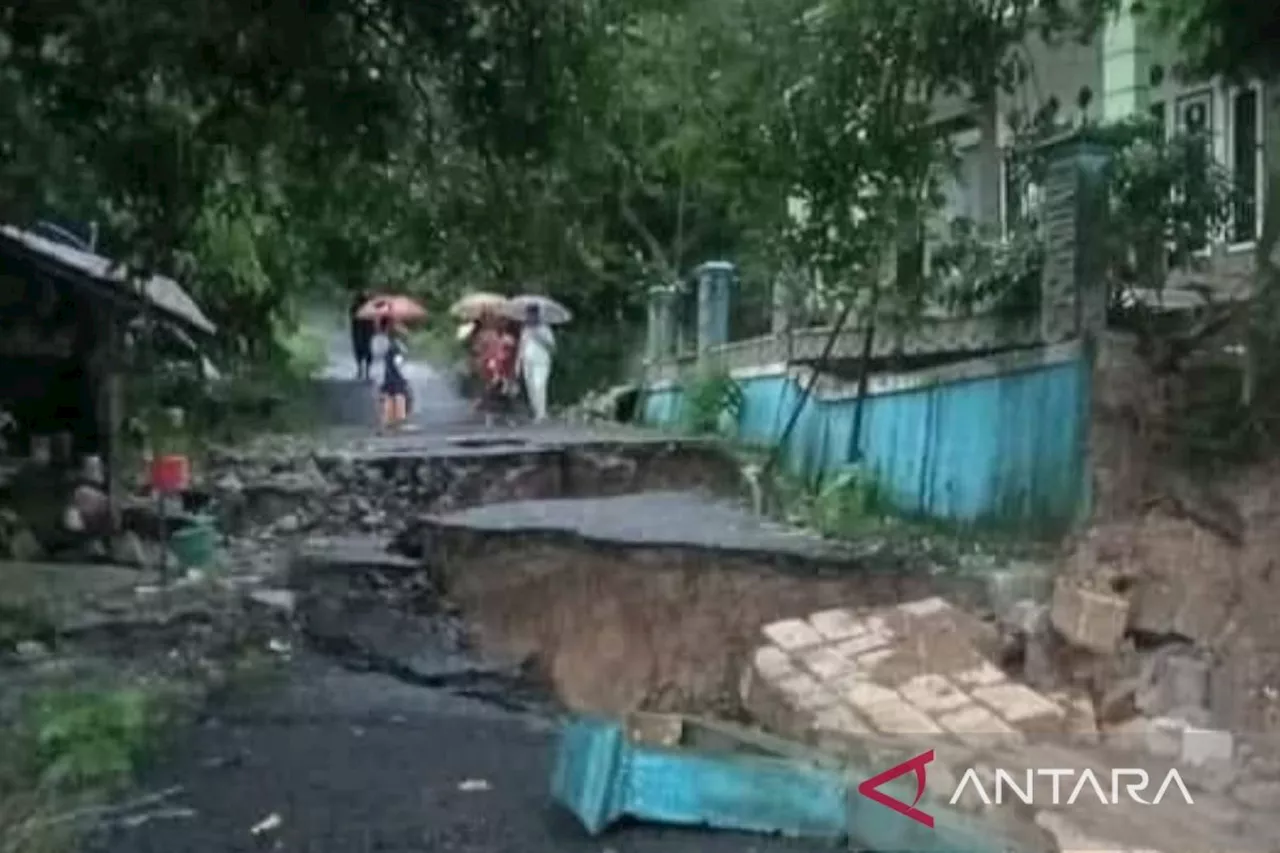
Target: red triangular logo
pixel 869 788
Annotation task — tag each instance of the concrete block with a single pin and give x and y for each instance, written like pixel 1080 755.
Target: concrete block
pixel 1164 736
pixel 806 692
pixel 1207 747
pixel 855 647
pixel 839 719
pixel 1023 707
pixel 1173 681
pixel 837 624
pixel 985 674
pixel 862 694
pixel 1091 620
pixel 772 662
pixel 925 608
pixel 1019 581
pixel 792 634
pixel 826 663
pixel 1082 720
pixel 934 694
pixel 979 728
pixel 787 705
pixel 868 661
pixel 899 717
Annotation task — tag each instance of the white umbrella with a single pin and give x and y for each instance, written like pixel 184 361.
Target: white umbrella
pixel 552 312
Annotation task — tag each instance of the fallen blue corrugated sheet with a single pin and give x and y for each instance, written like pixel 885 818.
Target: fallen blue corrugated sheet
pixel 602 776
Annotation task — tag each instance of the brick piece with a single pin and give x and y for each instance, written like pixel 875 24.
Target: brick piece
pixel 1021 705
pixel 863 643
pixel 1159 736
pixel 868 661
pixel 806 692
pixel 899 717
pixel 1206 747
pixel 840 720
pixel 837 624
pixel 861 693
pixel 925 607
pixel 875 624
pixel 979 727
pixel 983 675
pixel 826 663
pixel 1091 620
pixel 793 634
pixel 933 693
pixel 772 662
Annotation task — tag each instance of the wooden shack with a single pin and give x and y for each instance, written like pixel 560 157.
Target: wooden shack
pixel 63 312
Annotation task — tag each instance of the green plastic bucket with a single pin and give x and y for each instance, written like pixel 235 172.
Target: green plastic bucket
pixel 194 545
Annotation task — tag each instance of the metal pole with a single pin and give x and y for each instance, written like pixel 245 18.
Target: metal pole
pixel 808 390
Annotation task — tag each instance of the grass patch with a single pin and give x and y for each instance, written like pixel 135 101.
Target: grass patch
pixel 73 748
pixel 852 505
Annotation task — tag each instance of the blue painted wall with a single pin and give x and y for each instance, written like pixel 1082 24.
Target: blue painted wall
pixel 1003 449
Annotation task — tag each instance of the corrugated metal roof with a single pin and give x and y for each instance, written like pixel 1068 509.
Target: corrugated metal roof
pixel 164 293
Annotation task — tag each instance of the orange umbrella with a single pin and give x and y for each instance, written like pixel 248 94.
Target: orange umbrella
pixel 396 309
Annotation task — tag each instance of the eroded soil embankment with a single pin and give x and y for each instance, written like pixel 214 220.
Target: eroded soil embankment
pixel 616 628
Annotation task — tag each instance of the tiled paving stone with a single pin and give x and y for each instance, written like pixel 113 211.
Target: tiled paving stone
pixel 919 680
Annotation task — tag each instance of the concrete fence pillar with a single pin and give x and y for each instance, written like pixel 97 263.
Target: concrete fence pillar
pixel 716 283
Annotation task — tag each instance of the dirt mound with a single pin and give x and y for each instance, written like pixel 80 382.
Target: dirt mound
pixel 1198 558
pixel 618 629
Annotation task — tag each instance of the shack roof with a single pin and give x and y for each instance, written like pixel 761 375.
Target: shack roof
pixel 163 293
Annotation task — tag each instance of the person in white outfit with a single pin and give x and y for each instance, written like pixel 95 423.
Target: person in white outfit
pixel 537 344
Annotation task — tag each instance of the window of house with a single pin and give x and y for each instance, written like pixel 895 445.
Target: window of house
pixel 1244 161
pixel 1195 114
pixel 1194 117
pixel 1010 194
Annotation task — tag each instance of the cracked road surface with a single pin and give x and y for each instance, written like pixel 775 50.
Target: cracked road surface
pixel 354 763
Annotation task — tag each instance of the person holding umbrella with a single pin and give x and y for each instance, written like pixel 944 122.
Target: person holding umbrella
pixel 362 332
pixel 537 343
pixel 395 385
pixel 389 313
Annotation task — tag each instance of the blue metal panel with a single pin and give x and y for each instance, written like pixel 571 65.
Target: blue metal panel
pixel 749 794
pixel 588 772
pixel 662 407
pixel 1006 448
pixel 600 775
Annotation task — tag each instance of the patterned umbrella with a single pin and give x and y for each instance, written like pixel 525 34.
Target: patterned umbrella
pixel 396 309
pixel 473 305
pixel 552 312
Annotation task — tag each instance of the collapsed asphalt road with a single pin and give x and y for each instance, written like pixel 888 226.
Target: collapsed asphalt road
pixel 342 762
pixel 329 760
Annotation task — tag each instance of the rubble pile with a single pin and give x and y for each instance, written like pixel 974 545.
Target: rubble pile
pixel 881 685
pixel 377 492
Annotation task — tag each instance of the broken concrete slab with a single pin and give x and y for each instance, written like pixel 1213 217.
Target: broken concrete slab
pixel 324 555
pixel 402 475
pixel 647 598
pixel 648 519
pixel 1087 618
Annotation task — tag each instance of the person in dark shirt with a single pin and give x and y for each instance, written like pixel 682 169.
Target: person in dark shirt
pixel 362 332
pixel 395 385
